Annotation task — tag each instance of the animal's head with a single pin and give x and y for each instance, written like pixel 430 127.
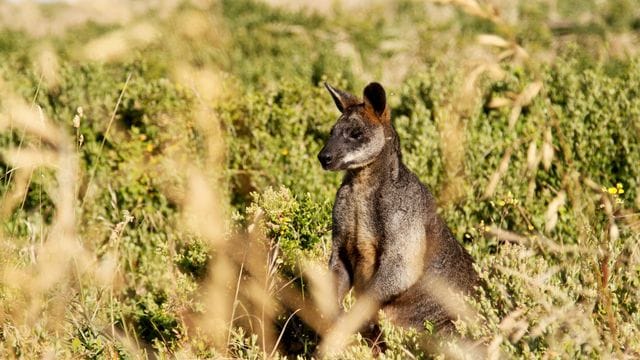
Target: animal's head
pixel 360 133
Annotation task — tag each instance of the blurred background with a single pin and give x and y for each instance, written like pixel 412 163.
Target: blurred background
pixel 161 196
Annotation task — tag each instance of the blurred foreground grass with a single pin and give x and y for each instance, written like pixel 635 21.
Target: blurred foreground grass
pixel 161 196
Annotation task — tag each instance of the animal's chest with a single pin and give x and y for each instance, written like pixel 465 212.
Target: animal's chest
pixel 363 235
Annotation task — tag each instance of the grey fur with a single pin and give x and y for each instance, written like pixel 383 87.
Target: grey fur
pixel 388 240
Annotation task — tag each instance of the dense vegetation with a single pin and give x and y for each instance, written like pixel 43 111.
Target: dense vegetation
pixel 161 194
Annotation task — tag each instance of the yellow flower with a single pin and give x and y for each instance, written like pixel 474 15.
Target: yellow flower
pixel 612 190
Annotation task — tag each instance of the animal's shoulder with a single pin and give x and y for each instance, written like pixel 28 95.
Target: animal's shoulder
pixel 345 202
pixel 406 192
pixel 343 194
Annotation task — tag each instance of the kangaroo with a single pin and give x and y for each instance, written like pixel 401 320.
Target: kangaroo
pixel 389 243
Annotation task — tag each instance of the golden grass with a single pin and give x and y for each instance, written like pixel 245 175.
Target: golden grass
pixel 243 286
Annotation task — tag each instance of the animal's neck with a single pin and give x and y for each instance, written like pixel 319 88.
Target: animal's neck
pixel 386 167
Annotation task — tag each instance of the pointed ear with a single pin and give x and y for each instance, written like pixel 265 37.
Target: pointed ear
pixel 342 98
pixel 375 97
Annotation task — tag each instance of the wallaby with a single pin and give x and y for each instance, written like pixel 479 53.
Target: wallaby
pixel 389 243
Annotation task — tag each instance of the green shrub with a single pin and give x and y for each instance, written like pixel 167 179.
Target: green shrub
pixel 286 127
pixel 299 227
pixel 567 289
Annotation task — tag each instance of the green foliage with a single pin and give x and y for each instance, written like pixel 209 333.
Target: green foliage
pixel 299 227
pixel 572 107
pixel 193 258
pixel 286 126
pixel 417 107
pixel 272 44
pixel 597 111
pixel 567 290
pixel 245 346
pixel 124 179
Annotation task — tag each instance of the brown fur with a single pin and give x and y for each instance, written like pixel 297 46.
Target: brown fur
pixel 389 243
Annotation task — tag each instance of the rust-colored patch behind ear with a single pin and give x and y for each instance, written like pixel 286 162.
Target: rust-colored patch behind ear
pixel 375 101
pixel 371 116
pixel 385 118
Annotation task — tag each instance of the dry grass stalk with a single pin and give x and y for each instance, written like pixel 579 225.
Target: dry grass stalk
pixel 21 178
pixel 322 289
pixel 244 281
pixel 61 251
pixel 451 127
pixel 474 8
pixel 562 311
pixel 533 160
pixel 337 336
pixel 493 40
pixel 20 116
pixel 469 89
pixel 523 99
pixel 498 174
pixel 119 43
pixel 547 150
pixel 538 241
pixel 498 102
pixel 106 133
pixel 510 48
pixel 451 130
pixel 202 214
pixel 551 216
pixel 48 66
pixel 515 323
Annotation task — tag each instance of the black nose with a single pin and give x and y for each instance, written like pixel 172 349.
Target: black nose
pixel 325 159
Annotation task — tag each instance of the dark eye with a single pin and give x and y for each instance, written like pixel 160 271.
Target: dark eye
pixel 356 134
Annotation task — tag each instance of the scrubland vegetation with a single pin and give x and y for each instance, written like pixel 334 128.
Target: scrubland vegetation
pixel 161 196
